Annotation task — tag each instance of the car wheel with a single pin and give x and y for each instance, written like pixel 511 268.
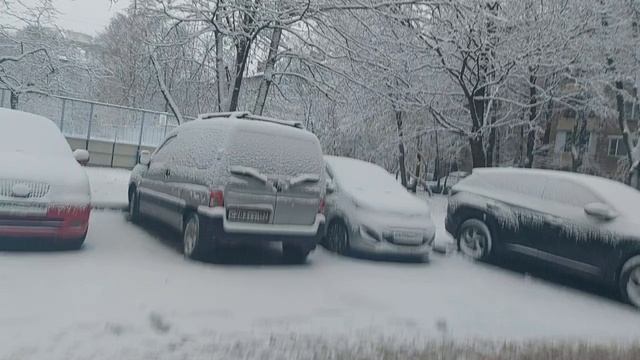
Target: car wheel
pixel 134 206
pixel 294 254
pixel 474 239
pixel 195 239
pixel 338 237
pixel 630 281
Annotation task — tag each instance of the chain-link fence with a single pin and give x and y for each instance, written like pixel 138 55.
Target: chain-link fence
pixel 88 120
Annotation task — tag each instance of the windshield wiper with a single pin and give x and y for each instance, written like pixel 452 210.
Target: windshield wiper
pixel 303 178
pixel 249 171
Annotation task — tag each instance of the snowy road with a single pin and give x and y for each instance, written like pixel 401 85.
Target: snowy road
pixel 130 294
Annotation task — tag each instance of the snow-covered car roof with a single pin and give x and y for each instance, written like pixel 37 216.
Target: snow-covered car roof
pixel 623 197
pixel 30 133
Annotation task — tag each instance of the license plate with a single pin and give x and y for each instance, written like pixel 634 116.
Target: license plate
pixel 410 238
pixel 256 216
pixel 22 209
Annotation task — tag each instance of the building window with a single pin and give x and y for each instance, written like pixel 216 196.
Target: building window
pixel 617 146
pixel 565 139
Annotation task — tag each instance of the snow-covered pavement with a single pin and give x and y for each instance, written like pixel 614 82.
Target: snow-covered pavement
pixel 108 187
pixel 129 294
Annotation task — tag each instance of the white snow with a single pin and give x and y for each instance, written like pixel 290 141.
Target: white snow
pixel 27 133
pixel 33 151
pixel 128 295
pixel 108 187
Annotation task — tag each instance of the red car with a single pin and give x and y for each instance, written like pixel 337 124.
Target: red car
pixel 44 191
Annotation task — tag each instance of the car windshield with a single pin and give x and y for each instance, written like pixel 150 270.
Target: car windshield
pixel 25 133
pixel 361 176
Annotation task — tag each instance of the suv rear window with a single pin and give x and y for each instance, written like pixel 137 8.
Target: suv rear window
pixel 275 154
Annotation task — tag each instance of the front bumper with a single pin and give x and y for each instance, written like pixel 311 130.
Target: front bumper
pixel 361 241
pixel 225 232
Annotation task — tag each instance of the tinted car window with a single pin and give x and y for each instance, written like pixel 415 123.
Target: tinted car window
pixel 568 192
pixel 163 152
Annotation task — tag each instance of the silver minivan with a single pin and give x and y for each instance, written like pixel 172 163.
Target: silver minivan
pixel 230 178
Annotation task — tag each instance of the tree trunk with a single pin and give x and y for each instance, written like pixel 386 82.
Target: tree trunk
pixel 497 155
pixel 436 168
pixel 242 54
pixel 492 142
pixel 14 100
pixel 267 78
pixel 624 126
pixel 220 73
pixel 533 114
pixel 477 151
pixel 401 152
pixel 477 106
pixel 165 92
pixel 414 184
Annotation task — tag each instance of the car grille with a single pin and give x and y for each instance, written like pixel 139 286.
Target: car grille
pixel 405 237
pixel 38 189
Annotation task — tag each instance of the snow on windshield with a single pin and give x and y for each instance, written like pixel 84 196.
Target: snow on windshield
pixel 31 134
pixel 275 150
pixel 362 176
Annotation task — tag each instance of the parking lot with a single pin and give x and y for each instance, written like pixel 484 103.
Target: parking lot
pixel 130 293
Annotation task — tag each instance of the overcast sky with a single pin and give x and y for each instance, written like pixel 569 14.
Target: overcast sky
pixel 87 16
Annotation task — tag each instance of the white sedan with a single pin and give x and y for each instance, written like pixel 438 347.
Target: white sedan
pixel 44 191
pixel 368 211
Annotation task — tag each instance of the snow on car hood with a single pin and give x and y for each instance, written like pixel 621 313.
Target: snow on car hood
pixel 67 179
pixel 396 202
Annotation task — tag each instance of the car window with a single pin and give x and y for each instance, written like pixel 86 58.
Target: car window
pixel 162 152
pixel 530 185
pixel 568 192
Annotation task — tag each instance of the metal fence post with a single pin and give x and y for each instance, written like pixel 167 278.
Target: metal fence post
pixel 89 129
pixel 166 123
pixel 64 105
pixel 140 137
pixel 113 148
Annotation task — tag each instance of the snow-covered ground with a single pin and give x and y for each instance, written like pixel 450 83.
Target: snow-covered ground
pixel 108 187
pixel 129 294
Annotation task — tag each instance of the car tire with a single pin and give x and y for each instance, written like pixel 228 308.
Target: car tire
pixel 293 254
pixel 630 281
pixel 196 240
pixel 475 240
pixel 338 237
pixel 134 206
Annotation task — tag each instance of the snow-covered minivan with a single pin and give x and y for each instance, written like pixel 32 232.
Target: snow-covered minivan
pixel 229 178
pixel 576 223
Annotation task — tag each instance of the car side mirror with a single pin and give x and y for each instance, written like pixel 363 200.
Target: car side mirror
pixel 600 211
pixel 145 157
pixel 82 156
pixel 331 187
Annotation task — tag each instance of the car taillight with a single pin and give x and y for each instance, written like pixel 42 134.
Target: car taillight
pixel 71 214
pixel 321 206
pixel 216 199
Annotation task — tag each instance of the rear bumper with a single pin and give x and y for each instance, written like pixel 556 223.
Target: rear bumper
pixel 306 236
pixel 60 223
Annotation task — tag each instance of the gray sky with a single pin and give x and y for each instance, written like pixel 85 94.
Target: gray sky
pixel 87 16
